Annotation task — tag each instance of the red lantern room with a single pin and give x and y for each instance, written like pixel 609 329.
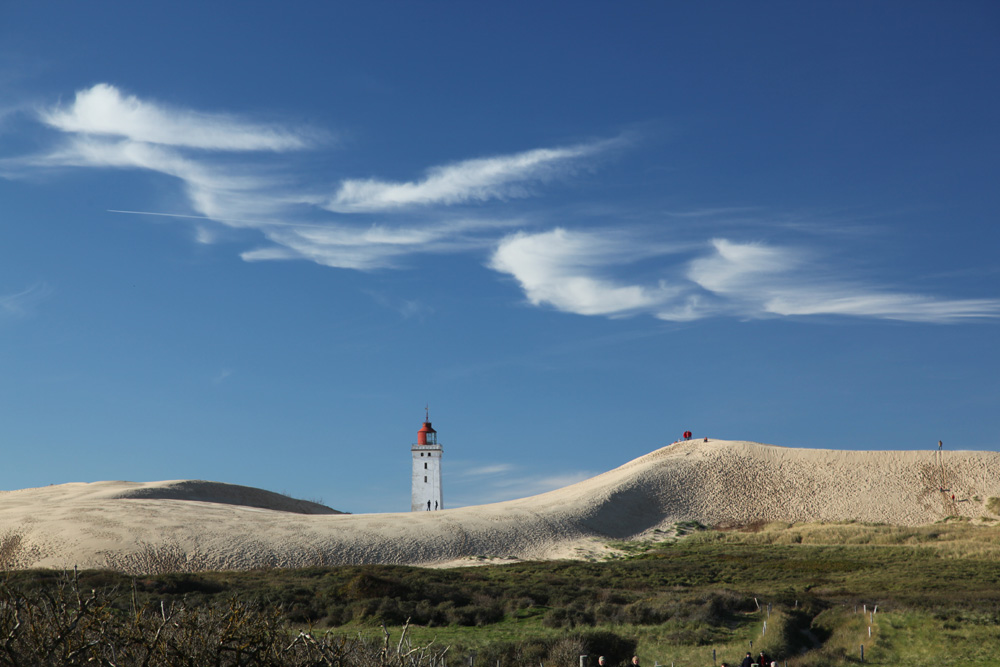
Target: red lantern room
pixel 427 435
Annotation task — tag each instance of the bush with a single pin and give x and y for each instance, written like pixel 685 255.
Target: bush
pixel 568 617
pixel 512 654
pixel 366 585
pixel 566 652
pixel 64 626
pixel 461 615
pixel 16 552
pixel 646 613
pixel 615 648
pixel 609 614
pixel 720 608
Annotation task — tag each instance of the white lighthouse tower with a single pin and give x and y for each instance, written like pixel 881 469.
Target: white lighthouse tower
pixel 426 494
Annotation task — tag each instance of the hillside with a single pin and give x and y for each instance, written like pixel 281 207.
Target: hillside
pixel 206 525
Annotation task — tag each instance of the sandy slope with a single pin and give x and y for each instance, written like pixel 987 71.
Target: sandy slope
pixel 185 524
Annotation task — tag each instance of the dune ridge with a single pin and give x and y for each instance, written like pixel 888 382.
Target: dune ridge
pixel 220 492
pixel 210 525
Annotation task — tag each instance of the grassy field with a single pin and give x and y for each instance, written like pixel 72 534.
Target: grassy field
pixel 815 586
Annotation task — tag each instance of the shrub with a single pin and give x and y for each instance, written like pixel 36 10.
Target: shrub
pixel 646 613
pixel 368 585
pixel 465 615
pixel 567 651
pixel 67 627
pixel 609 614
pixel 615 648
pixel 513 653
pixel 63 625
pixel 159 559
pixel 16 552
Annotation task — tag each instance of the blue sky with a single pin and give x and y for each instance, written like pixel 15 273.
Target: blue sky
pixel 248 243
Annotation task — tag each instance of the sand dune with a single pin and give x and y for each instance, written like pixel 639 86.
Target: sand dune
pixel 207 525
pixel 216 492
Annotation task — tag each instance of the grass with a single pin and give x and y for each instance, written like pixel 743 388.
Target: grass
pixel 937 587
pixel 672 600
pixel 917 638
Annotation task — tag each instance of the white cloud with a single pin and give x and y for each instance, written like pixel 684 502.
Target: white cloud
pixel 561 268
pixel 103 110
pixel 569 270
pixel 222 376
pixel 575 271
pixel 888 306
pixel 373 247
pixel 492 483
pixel 406 308
pixel 757 280
pixel 105 129
pixel 476 180
pixel 488 470
pixel 20 304
pixel 522 487
pixel 235 195
pixel 101 152
pixel 736 267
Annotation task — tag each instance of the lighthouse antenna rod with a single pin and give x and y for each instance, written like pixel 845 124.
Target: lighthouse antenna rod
pixel 427 413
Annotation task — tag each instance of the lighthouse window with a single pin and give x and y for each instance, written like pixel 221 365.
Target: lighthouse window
pixel 425 479
pixel 425 466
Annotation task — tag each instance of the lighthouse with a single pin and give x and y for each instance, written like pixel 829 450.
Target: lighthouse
pixel 426 485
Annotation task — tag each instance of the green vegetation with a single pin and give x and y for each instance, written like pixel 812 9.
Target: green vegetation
pixel 816 586
pixel 62 624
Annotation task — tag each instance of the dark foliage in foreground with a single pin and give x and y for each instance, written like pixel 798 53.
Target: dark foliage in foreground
pixel 696 593
pixel 691 583
pixel 57 622
pixel 62 625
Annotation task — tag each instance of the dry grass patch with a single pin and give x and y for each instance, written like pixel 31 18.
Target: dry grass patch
pixel 16 552
pixel 953 539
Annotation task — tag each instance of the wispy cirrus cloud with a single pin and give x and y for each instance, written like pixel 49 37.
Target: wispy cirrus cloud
pixel 516 486
pixel 104 128
pixel 406 308
pixel 21 304
pixel 757 280
pixel 104 110
pixel 222 376
pixel 497 482
pixel 489 470
pixel 569 270
pixel 364 248
pixel 476 180
pixel 563 269
pixel 582 271
pixel 100 152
